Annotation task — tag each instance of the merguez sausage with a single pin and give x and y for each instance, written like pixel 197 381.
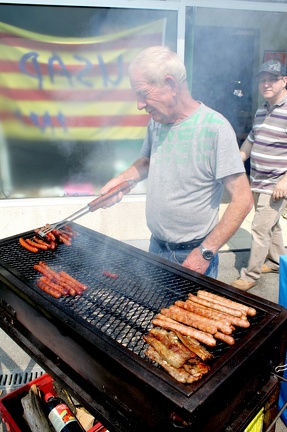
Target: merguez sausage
pixel 36 244
pixel 54 293
pixel 75 281
pixel 27 246
pixel 111 275
pixel 51 284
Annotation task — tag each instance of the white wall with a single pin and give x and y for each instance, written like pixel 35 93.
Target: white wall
pixel 125 221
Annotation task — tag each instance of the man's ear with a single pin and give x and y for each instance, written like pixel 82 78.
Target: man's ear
pixel 171 82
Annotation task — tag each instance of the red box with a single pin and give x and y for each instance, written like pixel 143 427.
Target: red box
pixel 11 408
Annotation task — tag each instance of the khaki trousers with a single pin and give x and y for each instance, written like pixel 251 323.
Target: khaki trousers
pixel 267 239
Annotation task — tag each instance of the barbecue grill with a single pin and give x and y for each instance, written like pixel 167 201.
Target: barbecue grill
pixel 93 344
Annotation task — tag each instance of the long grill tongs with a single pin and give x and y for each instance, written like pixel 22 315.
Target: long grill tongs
pixel 97 203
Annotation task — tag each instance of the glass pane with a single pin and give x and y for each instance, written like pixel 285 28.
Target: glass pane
pixel 69 120
pixel 224 49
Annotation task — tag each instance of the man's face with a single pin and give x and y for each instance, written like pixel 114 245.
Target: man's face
pixel 159 102
pixel 271 86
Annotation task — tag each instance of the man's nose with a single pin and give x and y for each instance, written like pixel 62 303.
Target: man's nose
pixel 141 104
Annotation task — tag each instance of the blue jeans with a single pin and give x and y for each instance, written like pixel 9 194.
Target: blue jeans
pixel 179 256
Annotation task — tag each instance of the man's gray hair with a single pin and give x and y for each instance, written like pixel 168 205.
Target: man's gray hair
pixel 155 63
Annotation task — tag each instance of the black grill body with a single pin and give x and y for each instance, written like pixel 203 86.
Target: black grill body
pixel 93 343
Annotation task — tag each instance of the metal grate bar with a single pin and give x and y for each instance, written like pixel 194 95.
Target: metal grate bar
pixel 14 379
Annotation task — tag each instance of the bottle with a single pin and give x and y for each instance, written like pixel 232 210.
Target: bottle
pixel 60 415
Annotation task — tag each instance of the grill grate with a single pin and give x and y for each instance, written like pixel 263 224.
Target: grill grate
pixel 121 308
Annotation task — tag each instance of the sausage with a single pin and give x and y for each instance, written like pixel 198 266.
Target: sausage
pixel 50 236
pixel 183 316
pixel 111 275
pixel 225 338
pixel 215 306
pixel 37 245
pixel 51 274
pixel 227 329
pixel 199 335
pixel 75 281
pixel 222 300
pixel 49 290
pixel 48 271
pixel 62 237
pixel 27 246
pixel 71 289
pixel 54 285
pixel 203 311
pixel 221 316
pixel 42 242
pixel 64 240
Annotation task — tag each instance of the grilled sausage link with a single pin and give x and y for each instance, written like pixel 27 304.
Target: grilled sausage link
pixel 27 246
pixel 54 293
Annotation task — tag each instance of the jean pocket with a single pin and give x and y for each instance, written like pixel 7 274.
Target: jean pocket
pixel 180 256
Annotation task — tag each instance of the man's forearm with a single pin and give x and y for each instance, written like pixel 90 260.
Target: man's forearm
pixel 241 203
pixel 245 150
pixel 138 171
pixel 228 225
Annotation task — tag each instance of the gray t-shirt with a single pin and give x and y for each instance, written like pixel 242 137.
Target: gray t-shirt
pixel 188 161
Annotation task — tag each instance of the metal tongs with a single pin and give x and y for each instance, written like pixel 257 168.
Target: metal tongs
pixel 97 203
pixel 278 369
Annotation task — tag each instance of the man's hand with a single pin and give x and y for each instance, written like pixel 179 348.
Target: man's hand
pixel 280 190
pixel 195 261
pixel 108 186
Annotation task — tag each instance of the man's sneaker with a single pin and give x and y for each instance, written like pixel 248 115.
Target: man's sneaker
pixel 266 269
pixel 243 284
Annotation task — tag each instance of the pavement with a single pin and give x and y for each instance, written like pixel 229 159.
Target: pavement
pixel 233 256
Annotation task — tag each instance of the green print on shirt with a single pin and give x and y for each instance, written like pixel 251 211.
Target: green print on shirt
pixel 212 118
pixel 176 143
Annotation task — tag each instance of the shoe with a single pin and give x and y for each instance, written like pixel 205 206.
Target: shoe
pixel 243 285
pixel 265 269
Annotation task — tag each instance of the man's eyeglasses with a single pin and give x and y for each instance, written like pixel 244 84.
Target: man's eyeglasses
pixel 269 81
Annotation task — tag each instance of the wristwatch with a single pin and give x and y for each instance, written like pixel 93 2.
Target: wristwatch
pixel 206 253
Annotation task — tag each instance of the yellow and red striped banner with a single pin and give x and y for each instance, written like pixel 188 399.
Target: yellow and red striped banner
pixel 71 88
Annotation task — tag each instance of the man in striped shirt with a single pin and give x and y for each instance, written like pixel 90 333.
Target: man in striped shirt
pixel 266 145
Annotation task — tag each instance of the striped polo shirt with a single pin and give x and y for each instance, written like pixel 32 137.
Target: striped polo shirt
pixel 268 162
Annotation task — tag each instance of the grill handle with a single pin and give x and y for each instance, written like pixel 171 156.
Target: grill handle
pixel 101 201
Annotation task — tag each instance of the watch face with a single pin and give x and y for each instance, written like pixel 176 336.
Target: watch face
pixel 207 254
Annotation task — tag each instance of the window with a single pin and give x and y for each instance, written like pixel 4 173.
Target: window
pixel 69 118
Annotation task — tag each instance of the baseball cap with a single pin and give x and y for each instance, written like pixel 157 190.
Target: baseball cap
pixel 274 67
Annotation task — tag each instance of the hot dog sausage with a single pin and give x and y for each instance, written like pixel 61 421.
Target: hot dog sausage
pixel 225 338
pixel 185 317
pixel 216 306
pixel 199 335
pixel 227 329
pixel 224 301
